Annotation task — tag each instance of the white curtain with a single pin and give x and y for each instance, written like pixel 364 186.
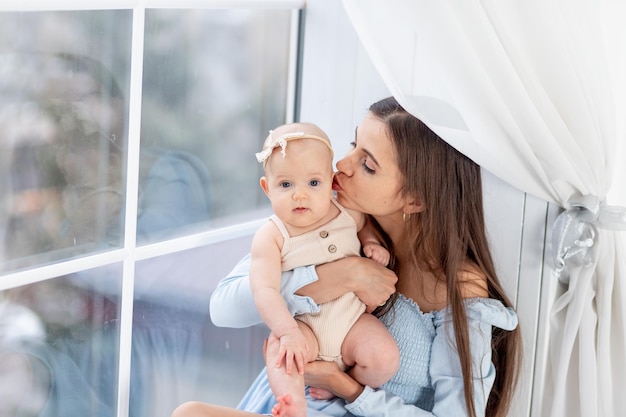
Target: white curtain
pixel 535 92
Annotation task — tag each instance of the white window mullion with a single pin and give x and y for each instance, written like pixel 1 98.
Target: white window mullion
pixel 294 46
pixel 197 240
pixel 60 269
pixel 132 186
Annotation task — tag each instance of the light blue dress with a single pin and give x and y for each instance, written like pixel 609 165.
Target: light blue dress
pixel 429 382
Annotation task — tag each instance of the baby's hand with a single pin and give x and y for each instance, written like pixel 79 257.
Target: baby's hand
pixel 377 253
pixel 293 349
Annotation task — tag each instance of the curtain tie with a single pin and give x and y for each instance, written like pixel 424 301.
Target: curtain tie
pixel 574 232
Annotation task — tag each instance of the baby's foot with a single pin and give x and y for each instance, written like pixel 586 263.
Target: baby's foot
pixel 321 394
pixel 286 407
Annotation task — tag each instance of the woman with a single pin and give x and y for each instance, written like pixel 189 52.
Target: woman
pixel 458 336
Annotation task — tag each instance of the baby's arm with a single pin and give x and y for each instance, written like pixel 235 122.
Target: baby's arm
pixel 369 240
pixel 265 276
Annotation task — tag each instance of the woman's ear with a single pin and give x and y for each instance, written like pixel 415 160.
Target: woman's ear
pixel 413 206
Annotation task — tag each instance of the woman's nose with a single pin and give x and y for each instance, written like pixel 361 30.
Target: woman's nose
pixel 344 165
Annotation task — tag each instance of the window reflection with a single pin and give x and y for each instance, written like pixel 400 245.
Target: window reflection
pixel 59 346
pixel 177 354
pixel 63 112
pixel 215 81
pixel 59 340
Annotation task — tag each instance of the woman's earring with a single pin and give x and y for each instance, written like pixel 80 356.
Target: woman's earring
pixel 404 216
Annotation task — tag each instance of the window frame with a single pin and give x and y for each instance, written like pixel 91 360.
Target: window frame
pixel 130 253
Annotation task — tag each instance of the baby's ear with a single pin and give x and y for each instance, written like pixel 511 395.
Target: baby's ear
pixel 264 186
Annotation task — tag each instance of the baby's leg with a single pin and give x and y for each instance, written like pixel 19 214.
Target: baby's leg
pixel 288 388
pixel 372 352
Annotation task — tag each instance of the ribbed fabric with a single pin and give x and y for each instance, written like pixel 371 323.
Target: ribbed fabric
pixel 334 240
pixel 333 322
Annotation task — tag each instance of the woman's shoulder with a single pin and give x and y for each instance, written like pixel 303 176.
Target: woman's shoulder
pixel 483 310
pixel 473 281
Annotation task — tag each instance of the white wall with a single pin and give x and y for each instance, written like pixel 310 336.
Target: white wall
pixel 339 83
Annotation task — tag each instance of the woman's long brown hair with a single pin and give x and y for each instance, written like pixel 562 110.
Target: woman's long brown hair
pixel 450 234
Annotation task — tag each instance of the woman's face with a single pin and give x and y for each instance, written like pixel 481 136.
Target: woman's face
pixel 368 178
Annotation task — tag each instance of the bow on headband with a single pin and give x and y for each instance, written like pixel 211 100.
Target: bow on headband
pixel 271 144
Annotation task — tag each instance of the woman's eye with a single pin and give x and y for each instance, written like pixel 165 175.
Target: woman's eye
pixel 367 168
pixel 353 144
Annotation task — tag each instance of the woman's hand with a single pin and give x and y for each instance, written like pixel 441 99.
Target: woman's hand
pixel 328 377
pixel 370 281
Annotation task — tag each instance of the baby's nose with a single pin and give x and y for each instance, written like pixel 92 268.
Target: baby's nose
pixel 299 194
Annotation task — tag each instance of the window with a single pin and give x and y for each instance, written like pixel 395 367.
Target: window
pixel 130 189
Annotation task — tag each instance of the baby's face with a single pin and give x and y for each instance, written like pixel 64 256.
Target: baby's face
pixel 300 184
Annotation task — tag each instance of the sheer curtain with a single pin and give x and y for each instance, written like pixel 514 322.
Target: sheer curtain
pixel 535 92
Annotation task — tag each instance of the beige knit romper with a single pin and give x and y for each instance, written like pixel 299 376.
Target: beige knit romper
pixel 334 240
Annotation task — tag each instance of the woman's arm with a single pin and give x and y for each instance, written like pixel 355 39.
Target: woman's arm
pixel 360 400
pixel 232 304
pixel 445 369
pixel 370 281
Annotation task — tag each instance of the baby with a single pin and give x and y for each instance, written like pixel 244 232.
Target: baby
pixel 309 227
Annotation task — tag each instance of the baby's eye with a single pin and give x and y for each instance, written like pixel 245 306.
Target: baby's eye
pixel 314 183
pixel 284 184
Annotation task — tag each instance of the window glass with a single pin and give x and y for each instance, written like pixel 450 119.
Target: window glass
pixel 59 346
pixel 177 353
pixel 215 81
pixel 63 79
